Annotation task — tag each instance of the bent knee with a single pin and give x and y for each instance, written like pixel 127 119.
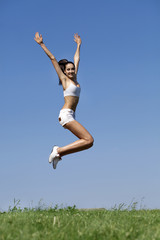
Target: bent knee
pixel 90 142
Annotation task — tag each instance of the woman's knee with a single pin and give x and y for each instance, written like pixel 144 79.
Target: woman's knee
pixel 90 141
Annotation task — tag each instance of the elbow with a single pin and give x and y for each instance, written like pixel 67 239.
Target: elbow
pixel 52 57
pixel 76 59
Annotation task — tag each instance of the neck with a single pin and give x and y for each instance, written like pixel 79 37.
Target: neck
pixel 73 79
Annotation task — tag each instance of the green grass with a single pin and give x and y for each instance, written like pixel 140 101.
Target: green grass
pixel 73 224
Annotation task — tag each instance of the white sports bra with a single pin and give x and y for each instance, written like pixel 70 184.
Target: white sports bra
pixel 72 90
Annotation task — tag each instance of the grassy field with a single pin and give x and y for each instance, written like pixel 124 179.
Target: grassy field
pixel 73 224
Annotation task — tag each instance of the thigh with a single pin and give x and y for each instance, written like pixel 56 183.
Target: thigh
pixel 78 130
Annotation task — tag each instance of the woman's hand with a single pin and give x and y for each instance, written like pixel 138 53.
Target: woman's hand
pixel 38 38
pixel 77 39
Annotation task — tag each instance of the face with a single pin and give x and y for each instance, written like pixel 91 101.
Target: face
pixel 70 71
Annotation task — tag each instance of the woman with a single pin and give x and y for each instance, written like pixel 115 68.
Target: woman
pixel 67 73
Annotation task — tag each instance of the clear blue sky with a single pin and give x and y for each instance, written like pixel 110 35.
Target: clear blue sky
pixel 120 102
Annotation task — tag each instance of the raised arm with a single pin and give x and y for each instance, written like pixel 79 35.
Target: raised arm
pixel 78 40
pixel 38 38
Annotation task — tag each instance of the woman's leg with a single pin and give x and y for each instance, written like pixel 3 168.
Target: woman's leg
pixel 85 139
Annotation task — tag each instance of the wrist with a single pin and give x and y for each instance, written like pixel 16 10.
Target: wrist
pixel 41 44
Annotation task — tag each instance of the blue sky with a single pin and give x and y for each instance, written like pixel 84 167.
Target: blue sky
pixel 119 75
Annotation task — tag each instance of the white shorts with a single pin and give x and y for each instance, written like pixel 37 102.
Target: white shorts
pixel 66 115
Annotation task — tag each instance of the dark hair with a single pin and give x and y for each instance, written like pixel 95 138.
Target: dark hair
pixel 62 63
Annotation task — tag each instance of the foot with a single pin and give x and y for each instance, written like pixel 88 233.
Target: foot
pixel 54 155
pixel 55 162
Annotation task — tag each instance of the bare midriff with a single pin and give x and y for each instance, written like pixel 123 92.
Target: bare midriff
pixel 71 102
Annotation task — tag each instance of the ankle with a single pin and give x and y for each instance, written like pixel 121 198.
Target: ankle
pixel 58 151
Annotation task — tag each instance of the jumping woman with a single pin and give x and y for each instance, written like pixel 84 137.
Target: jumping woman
pixel 67 73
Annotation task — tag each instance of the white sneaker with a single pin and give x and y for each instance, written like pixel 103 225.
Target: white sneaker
pixel 55 161
pixel 53 154
pixel 54 157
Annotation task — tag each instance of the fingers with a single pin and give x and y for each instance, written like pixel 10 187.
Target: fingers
pixel 37 34
pixel 76 35
pixel 77 38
